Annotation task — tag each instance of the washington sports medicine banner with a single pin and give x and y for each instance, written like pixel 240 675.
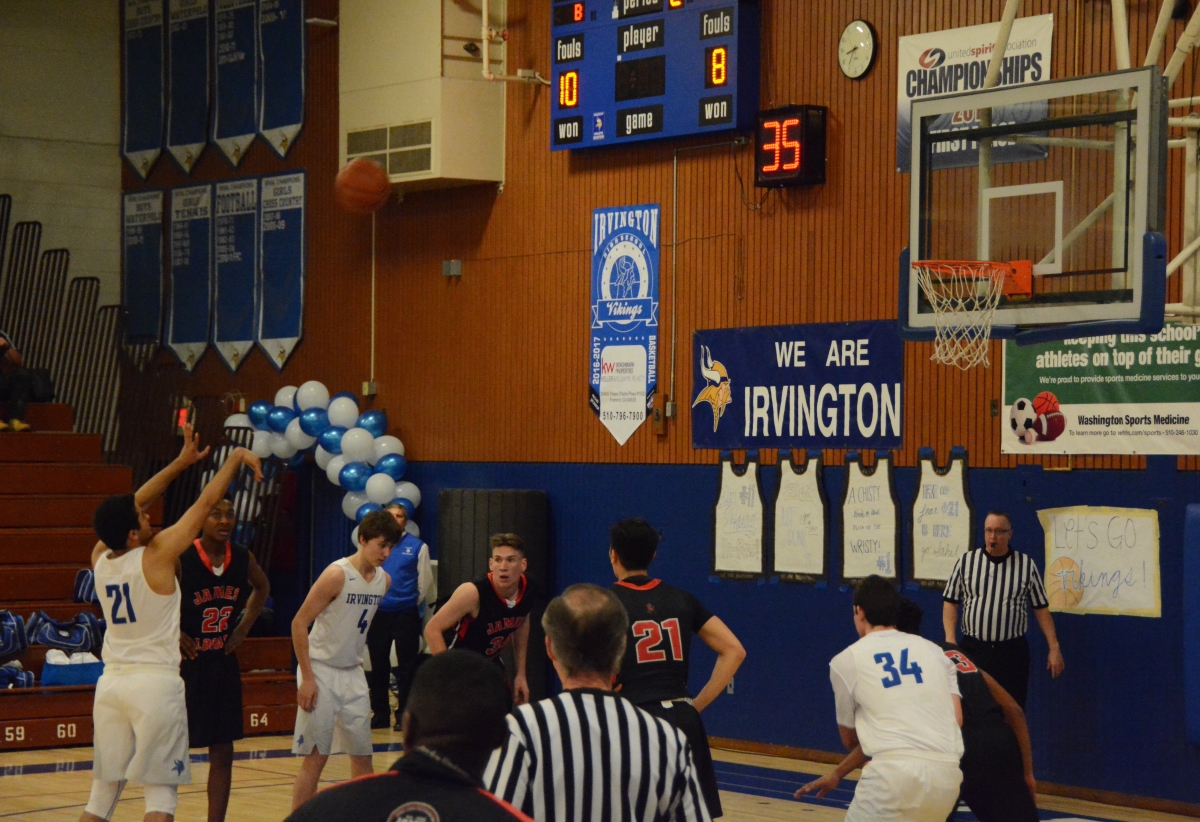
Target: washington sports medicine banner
pixel 831 385
pixel 956 61
pixel 235 107
pixel 281 73
pixel 281 266
pixel 624 351
pixel 187 81
pixel 142 126
pixel 1115 394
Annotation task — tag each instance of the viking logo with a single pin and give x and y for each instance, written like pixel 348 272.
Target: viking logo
pixel 717 391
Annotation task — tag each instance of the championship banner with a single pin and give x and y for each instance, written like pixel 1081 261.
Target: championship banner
pixel 142 265
pixel 1114 394
pixel 142 117
pixel 191 273
pixel 624 353
pixel 235 109
pixel 237 266
pixel 956 61
pixel 187 81
pixel 281 34
pixel 281 267
pixel 832 385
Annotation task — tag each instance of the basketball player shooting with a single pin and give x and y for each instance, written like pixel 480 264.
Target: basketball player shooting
pixel 139 712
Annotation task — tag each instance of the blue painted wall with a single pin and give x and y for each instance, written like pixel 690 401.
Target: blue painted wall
pixel 1113 721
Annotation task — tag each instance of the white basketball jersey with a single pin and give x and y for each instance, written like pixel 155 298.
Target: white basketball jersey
pixel 901 685
pixel 339 633
pixel 143 627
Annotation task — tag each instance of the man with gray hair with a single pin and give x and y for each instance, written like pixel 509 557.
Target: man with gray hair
pixel 589 755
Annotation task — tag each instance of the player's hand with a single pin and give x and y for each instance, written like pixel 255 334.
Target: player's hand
pixel 520 690
pixel 251 459
pixel 191 454
pixel 236 638
pixel 186 646
pixel 1031 783
pixel 1054 662
pixel 820 786
pixel 306 696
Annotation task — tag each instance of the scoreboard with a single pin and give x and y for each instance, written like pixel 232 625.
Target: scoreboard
pixel 631 70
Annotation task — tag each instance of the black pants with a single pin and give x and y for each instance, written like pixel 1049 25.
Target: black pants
pixel 687 719
pixel 1007 662
pixel 16 389
pixel 403 628
pixel 993 783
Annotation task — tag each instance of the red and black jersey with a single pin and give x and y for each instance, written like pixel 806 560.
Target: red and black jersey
pixel 980 709
pixel 209 604
pixel 662 620
pixel 489 632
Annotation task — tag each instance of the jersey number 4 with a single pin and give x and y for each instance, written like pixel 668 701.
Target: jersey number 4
pixel 889 667
pixel 119 594
pixel 216 621
pixel 650 635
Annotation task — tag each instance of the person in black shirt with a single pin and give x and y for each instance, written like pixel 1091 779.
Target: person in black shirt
pixel 216 580
pixel 490 611
pixel 16 385
pixel 453 720
pixel 662 620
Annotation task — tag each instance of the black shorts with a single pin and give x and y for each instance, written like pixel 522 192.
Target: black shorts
pixel 687 719
pixel 993 783
pixel 213 690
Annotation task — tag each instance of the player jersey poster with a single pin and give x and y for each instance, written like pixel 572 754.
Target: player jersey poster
pixel 624 339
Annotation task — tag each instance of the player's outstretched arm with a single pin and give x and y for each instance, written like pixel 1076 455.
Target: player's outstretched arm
pixel 464 602
pixel 520 652
pixel 189 455
pixel 855 759
pixel 1015 717
pixel 260 589
pixel 325 590
pixel 730 654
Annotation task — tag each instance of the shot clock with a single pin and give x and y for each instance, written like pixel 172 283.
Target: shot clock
pixel 631 70
pixel 789 147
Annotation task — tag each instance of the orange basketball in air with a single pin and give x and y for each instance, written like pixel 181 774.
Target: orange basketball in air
pixel 1063 586
pixel 362 187
pixel 1045 403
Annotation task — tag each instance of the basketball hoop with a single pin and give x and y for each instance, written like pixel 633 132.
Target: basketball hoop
pixel 964 295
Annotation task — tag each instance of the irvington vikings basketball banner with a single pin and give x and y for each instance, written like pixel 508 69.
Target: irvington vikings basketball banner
pixel 831 385
pixel 624 351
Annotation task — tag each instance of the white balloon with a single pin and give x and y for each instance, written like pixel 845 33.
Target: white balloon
pixel 387 444
pixel 344 412
pixel 260 444
pixel 381 488
pixel 354 537
pixel 358 445
pixel 238 421
pixel 412 528
pixel 296 437
pixel 352 502
pixel 312 394
pixel 407 490
pixel 334 468
pixel 323 457
pixel 280 446
pixel 285 396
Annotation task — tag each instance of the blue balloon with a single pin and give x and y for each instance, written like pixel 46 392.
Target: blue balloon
pixel 279 417
pixel 349 394
pixel 354 476
pixel 258 414
pixel 406 504
pixel 394 465
pixel 313 421
pixel 295 460
pixel 331 438
pixel 374 421
pixel 366 508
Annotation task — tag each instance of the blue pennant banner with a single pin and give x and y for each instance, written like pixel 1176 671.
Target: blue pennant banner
pixel 141 285
pixel 281 277
pixel 187 81
pixel 624 350
pixel 237 266
pixel 281 33
pixel 142 118
pixel 191 273
pixel 235 115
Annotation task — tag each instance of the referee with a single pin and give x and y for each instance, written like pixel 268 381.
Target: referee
pixel 995 586
pixel 589 755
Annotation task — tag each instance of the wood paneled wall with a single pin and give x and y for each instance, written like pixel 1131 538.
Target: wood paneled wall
pixel 494 367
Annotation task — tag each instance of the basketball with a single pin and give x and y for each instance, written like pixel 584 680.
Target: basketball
pixel 362 187
pixel 1063 587
pixel 1045 403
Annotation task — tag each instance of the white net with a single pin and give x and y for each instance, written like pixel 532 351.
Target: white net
pixel 963 295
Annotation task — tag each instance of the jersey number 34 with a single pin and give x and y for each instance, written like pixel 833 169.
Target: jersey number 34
pixel 889 667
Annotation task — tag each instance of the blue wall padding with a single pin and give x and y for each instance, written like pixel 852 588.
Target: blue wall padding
pixel 1191 622
pixel 1111 722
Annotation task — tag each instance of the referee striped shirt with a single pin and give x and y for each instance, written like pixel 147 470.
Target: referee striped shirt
pixel 995 595
pixel 588 755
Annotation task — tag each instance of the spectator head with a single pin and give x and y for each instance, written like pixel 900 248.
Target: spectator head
pixel 634 542
pixel 398 512
pixel 585 631
pixel 876 604
pixel 120 524
pixel 457 707
pixel 908 617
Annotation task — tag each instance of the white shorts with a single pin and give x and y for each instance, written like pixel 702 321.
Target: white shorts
pixel 140 719
pixel 344 703
pixel 898 788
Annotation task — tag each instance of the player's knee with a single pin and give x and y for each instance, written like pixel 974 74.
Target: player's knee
pixel 103 799
pixel 162 798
